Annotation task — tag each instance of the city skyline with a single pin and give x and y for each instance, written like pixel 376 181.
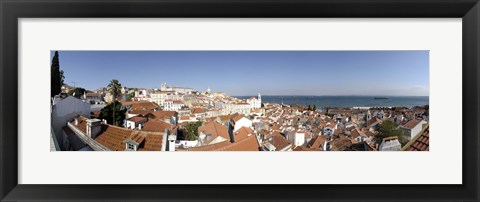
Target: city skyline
pixel 244 73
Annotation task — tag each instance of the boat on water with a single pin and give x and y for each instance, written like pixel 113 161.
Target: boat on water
pixel 380 98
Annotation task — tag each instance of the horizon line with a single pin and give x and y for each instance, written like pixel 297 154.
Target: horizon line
pixel 341 95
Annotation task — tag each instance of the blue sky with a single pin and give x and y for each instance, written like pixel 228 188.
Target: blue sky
pixel 393 73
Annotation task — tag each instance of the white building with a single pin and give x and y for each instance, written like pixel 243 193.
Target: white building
pixel 413 128
pixel 241 121
pixel 177 89
pixel 65 109
pixel 237 107
pixel 390 144
pixel 297 137
pixel 173 105
pixel 160 97
pixel 255 102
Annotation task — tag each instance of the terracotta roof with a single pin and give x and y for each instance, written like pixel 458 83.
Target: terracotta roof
pixel 214 129
pixel 198 110
pixel 247 144
pixel 372 121
pixel 137 137
pixel 184 118
pixel 153 142
pixel 95 114
pixel 141 105
pixel 162 114
pixel 141 112
pixel 421 142
pixel 411 124
pixel 341 144
pixel 303 148
pixel 317 142
pixel 225 118
pixel 112 137
pixel 275 127
pixel 355 133
pixel 243 133
pixel 390 138
pixel 137 119
pixel 157 126
pixel 82 123
pixel 210 119
pixel 279 142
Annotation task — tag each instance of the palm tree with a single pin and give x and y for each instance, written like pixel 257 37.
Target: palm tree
pixel 114 88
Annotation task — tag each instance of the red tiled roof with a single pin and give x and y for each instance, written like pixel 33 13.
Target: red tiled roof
pixel 95 114
pixel 420 143
pixel 141 105
pixel 372 121
pixel 214 129
pixel 341 144
pixel 303 148
pixel 247 144
pixel 162 114
pixel 153 142
pixel 198 110
pixel 141 112
pixel 317 142
pixel 355 133
pixel 279 142
pixel 157 126
pixel 390 138
pixel 243 133
pixel 137 119
pixel 113 137
pixel 82 123
pixel 412 123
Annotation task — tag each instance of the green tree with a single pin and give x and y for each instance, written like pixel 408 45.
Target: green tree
pixel 387 129
pixel 57 76
pixel 314 108
pixel 129 96
pixel 309 107
pixel 77 91
pixel 114 87
pixel 262 105
pixel 113 109
pixel 191 130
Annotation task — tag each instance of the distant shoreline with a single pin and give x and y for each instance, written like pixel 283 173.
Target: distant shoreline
pixel 333 95
pixel 346 101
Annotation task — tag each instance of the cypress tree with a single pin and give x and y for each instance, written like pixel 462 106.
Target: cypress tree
pixel 56 76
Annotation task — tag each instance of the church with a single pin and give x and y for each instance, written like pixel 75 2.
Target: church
pixel 255 102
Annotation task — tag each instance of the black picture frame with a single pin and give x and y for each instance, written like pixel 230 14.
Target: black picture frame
pixel 11 11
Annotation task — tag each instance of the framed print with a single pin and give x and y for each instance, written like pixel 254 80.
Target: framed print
pixel 180 100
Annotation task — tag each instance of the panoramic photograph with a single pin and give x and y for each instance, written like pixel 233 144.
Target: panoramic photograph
pixel 263 101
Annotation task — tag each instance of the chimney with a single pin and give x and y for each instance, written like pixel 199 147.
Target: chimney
pixel 94 127
pixel 140 126
pixel 76 121
pixel 171 140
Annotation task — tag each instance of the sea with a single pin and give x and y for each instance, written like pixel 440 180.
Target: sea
pixel 346 101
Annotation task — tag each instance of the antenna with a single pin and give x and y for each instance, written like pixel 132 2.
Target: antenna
pixel 74 82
